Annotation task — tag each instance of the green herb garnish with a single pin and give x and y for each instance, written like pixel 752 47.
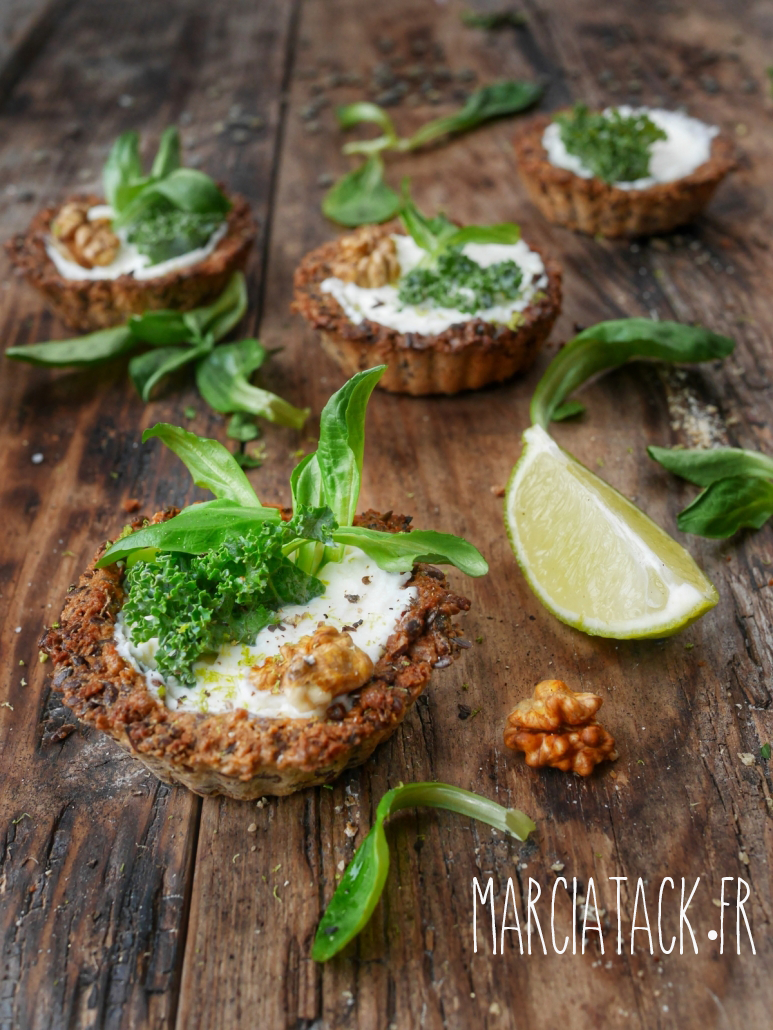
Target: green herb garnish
pixel 218 570
pixel 162 235
pixel 362 884
pixel 196 603
pixel 738 494
pixel 457 282
pixel 178 339
pixel 151 206
pixel 362 196
pixel 615 147
pixel 448 278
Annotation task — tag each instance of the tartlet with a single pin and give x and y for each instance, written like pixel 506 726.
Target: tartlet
pixel 599 208
pixel 466 356
pixel 235 753
pixel 91 304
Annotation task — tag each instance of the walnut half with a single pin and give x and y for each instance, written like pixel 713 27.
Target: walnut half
pixel 86 241
pixel 367 259
pixel 315 669
pixel 557 727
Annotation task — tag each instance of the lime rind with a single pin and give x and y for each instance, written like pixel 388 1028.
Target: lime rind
pixel 591 556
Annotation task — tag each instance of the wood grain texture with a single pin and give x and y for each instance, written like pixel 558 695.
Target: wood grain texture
pixel 96 857
pixel 25 25
pixel 243 889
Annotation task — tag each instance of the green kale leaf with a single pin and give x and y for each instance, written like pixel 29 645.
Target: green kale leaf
pixel 615 147
pixel 196 603
pixel 457 282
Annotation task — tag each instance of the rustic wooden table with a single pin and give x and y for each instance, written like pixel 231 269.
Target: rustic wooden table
pixel 124 903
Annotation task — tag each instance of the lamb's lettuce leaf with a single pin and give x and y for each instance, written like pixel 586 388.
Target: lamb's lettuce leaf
pixel 399 552
pixel 223 381
pixel 211 465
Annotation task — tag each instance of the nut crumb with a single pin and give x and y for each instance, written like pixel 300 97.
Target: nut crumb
pixel 746 758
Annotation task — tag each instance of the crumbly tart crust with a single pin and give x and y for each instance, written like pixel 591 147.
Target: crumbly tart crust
pixel 466 356
pixel 601 209
pixel 235 753
pixel 91 304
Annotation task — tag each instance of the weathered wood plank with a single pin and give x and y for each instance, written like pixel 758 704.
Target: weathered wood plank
pixel 96 857
pixel 678 802
pixel 25 25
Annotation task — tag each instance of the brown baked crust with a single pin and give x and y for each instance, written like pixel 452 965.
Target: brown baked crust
pixel 236 753
pixel 464 357
pixel 90 304
pixel 601 209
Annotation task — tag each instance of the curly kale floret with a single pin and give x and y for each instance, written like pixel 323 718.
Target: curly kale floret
pixel 615 147
pixel 457 282
pixel 196 603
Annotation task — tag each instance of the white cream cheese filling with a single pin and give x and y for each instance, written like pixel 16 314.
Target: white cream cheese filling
pixel 129 261
pixel 359 597
pixel 381 304
pixel 687 146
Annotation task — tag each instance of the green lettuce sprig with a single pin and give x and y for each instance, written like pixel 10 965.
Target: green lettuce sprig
pixel 178 339
pixel 362 196
pixel 171 210
pixel 738 488
pixel 220 570
pixel 328 479
pixel 362 884
pixel 609 345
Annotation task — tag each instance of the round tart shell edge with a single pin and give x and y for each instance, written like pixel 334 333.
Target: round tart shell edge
pixel 238 754
pixel 599 208
pixel 87 305
pixel 466 356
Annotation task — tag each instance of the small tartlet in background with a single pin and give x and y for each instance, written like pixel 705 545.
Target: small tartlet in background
pixel 168 237
pixel 599 208
pixel 466 356
pixel 90 304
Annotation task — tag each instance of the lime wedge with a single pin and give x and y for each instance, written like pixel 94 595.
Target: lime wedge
pixel 592 558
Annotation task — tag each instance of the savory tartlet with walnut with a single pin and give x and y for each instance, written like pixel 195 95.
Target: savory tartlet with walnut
pixel 238 753
pixel 467 315
pixel 241 649
pixel 169 239
pixel 89 304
